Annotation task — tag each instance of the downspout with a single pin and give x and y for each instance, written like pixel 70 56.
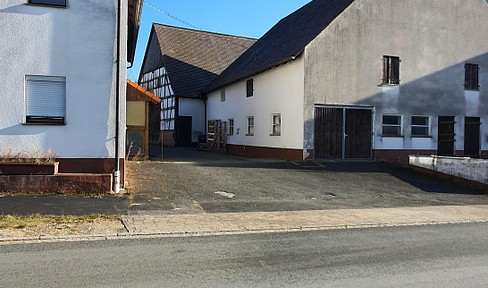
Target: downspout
pixel 117 107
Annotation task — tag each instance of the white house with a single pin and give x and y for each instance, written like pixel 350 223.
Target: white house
pixel 63 70
pixel 378 79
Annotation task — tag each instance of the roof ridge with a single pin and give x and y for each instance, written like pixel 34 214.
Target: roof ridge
pixel 204 31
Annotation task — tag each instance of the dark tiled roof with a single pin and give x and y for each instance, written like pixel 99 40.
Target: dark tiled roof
pixel 194 58
pixel 283 42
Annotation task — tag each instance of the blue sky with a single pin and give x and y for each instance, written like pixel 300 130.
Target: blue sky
pixel 250 18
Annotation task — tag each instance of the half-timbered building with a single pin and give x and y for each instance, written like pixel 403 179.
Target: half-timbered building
pixel 179 63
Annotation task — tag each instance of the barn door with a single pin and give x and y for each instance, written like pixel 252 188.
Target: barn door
pixel 358 133
pixel 342 133
pixel 472 136
pixel 328 132
pixel 445 145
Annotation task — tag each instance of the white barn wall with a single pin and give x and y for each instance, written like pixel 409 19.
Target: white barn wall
pixel 279 90
pixel 79 43
pixel 196 109
pixel 343 65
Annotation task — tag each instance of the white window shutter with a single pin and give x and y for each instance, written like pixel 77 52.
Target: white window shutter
pixel 45 96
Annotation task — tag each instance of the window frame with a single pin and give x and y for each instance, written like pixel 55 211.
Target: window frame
pixel 471 76
pixel 391 70
pixel 249 126
pixel 383 125
pixel 231 127
pixel 43 119
pixel 428 126
pixel 250 88
pixel 273 124
pixel 47 3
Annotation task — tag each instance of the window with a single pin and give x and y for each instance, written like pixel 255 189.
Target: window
pixel 392 125
pixel 222 95
pixel 391 70
pixel 60 3
pixel 250 88
pixel 231 126
pixel 420 126
pixel 276 119
pixel 250 126
pixel 471 76
pixel 45 100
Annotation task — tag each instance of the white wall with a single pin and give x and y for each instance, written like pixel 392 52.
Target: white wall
pixel 279 90
pixel 77 42
pixel 467 168
pixel 196 109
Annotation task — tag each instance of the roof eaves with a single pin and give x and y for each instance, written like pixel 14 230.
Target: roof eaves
pixel 151 96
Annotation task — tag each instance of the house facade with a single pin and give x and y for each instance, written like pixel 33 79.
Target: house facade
pixel 364 79
pixel 179 63
pixel 63 68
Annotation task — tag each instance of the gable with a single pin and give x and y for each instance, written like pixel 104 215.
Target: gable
pixel 284 42
pixel 192 58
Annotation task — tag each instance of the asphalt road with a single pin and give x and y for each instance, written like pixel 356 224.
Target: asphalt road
pixel 187 182
pixel 422 256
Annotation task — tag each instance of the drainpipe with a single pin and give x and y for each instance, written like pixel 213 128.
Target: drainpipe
pixel 117 107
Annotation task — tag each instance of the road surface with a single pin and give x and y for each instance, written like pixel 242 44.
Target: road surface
pixel 416 256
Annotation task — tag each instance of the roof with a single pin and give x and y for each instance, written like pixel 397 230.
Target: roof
pixel 284 42
pixel 134 17
pixel 193 58
pixel 137 93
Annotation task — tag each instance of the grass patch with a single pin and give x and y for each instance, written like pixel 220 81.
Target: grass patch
pixel 19 222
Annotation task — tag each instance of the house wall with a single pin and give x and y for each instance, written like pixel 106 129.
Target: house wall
pixel 343 66
pixel 79 43
pixel 279 90
pixel 196 109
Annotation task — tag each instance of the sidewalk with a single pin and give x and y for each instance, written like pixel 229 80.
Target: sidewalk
pixel 260 222
pixel 179 225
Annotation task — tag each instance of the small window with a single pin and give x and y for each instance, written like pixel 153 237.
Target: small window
pixel 391 70
pixel 250 126
pixel 231 126
pixel 60 3
pixel 471 76
pixel 222 95
pixel 45 100
pixel 276 122
pixel 250 88
pixel 420 126
pixel 392 125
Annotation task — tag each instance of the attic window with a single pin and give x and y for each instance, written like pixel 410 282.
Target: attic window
pixel 249 88
pixel 391 70
pixel 59 3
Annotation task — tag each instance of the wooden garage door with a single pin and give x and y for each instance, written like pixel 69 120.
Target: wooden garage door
pixel 358 133
pixel 328 132
pixel 332 141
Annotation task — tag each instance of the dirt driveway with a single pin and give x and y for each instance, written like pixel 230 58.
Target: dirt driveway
pixel 191 181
